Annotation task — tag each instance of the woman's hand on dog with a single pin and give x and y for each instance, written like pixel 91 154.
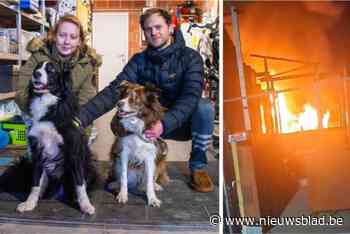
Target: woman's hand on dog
pixel 155 132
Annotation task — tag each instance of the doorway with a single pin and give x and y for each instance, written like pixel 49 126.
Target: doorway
pixel 110 39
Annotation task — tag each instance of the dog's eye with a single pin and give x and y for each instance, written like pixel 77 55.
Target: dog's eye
pixel 124 92
pixel 36 74
pixel 50 68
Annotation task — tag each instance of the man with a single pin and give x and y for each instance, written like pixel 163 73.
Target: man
pixel 177 71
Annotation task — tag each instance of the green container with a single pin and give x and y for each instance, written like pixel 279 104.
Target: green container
pixel 17 132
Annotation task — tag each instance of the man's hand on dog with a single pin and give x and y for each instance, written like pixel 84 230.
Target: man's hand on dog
pixel 154 132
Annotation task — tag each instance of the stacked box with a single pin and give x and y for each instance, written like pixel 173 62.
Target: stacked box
pixel 4 41
pixel 26 37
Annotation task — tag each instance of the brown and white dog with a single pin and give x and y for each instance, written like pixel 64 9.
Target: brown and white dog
pixel 138 161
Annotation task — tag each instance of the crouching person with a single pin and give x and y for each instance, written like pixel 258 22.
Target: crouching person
pixel 177 71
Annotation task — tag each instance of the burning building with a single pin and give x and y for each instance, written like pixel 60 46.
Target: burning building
pixel 286 105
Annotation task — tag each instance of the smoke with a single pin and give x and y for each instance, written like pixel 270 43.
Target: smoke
pixel 324 8
pixel 308 31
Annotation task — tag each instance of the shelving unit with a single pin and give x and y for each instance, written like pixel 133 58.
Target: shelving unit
pixel 11 16
pixel 9 13
pixel 6 57
pixel 4 96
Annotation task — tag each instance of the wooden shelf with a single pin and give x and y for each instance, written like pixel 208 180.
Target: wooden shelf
pixel 8 57
pixel 29 22
pixel 11 58
pixel 7 7
pixel 16 147
pixel 14 151
pixel 7 13
pixel 32 23
pixel 4 96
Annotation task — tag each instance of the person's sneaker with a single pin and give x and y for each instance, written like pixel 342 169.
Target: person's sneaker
pixel 201 181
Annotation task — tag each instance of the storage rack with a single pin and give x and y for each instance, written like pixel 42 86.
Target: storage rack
pixel 12 16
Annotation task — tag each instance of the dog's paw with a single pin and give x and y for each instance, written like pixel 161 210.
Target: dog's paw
pixel 87 208
pixel 122 197
pixel 26 206
pixel 158 187
pixel 154 201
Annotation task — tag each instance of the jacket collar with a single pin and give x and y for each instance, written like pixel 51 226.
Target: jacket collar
pixel 160 56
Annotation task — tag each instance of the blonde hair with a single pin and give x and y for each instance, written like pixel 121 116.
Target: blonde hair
pixel 71 19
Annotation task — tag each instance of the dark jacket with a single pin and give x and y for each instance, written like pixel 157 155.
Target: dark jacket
pixel 177 70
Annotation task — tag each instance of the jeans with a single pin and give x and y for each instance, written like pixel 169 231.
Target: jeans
pixel 199 129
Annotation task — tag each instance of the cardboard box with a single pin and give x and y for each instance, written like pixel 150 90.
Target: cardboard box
pixel 4 41
pixel 26 37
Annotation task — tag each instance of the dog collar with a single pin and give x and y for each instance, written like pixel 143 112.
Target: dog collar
pixel 41 91
pixel 133 120
pixel 141 136
pixel 132 114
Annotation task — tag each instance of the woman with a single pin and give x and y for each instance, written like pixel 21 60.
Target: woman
pixel 66 46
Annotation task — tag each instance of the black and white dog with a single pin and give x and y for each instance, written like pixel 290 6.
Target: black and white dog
pixel 58 147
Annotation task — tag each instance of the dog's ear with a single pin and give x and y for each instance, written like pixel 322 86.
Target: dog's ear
pixel 67 81
pixel 68 85
pixel 152 94
pixel 51 68
pixel 151 97
pixel 123 86
pixel 152 91
pixel 124 83
pixel 30 91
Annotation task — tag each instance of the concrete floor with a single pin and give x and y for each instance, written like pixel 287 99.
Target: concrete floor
pixel 182 211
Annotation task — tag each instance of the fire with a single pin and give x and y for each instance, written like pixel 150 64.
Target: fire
pixel 325 119
pixel 272 72
pixel 262 118
pixel 306 120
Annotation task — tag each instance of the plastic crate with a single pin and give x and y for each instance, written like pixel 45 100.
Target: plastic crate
pixel 31 6
pixel 17 133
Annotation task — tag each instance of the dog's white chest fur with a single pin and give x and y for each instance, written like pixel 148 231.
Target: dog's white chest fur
pixel 137 146
pixel 40 105
pixel 45 132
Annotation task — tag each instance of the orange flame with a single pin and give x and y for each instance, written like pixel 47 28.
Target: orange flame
pixel 307 120
pixel 272 72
